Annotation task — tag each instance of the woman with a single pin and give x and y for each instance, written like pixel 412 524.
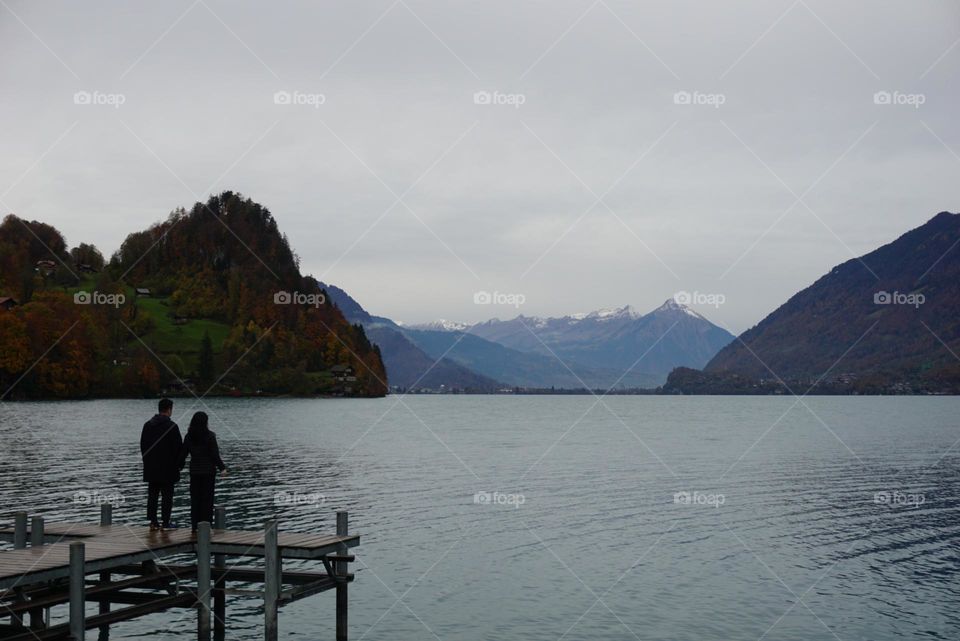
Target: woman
pixel 201 446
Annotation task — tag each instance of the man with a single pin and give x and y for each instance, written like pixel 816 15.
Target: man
pixel 160 444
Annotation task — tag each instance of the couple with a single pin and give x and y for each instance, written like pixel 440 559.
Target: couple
pixel 164 454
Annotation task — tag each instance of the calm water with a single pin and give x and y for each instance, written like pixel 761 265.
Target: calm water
pixel 585 539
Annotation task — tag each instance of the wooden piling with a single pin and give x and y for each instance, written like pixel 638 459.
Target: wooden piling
pixel 36 540
pixel 220 563
pixel 77 591
pixel 20 530
pixel 19 543
pixel 203 581
pixel 106 518
pixel 271 578
pixel 341 570
pixel 36 531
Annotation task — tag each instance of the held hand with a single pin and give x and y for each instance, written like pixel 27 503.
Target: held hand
pixel 223 473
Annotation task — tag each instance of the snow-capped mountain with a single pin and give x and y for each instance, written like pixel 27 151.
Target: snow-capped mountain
pixel 441 325
pixel 609 314
pixel 621 338
pixel 617 347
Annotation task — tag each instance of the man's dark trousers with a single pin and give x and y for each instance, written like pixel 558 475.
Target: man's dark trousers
pixel 159 492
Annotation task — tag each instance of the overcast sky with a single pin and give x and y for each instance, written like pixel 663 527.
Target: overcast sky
pixel 580 184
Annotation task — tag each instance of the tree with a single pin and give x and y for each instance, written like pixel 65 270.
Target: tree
pixel 88 255
pixel 14 348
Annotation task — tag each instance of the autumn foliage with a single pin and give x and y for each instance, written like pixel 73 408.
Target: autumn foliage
pixel 224 260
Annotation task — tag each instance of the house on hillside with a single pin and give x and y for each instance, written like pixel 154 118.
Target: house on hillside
pixel 343 374
pixel 46 267
pixel 344 377
pixel 143 291
pixel 7 303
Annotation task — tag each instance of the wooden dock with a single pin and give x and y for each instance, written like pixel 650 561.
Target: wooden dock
pixel 127 566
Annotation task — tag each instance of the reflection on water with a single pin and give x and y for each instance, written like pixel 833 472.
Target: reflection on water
pixel 538 517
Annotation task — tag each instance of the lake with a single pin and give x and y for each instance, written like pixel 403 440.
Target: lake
pixel 558 517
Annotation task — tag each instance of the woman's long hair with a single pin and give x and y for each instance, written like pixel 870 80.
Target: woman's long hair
pixel 199 430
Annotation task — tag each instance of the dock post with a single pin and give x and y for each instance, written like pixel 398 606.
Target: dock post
pixel 77 591
pixel 340 568
pixel 36 540
pixel 36 531
pixel 203 581
pixel 271 580
pixel 220 563
pixel 19 543
pixel 106 518
pixel 20 530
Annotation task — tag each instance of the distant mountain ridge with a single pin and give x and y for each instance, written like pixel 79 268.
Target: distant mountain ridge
pixel 441 325
pixel 616 347
pixel 408 366
pixel 670 336
pixel 890 319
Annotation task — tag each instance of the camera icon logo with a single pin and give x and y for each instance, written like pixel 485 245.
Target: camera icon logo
pixel 482 98
pixel 882 98
pixel 82 98
pixel 282 98
pixel 81 298
pixel 482 498
pixel 682 98
pixel 682 498
pixel 683 298
pixel 482 298
pixel 281 298
pixel 882 298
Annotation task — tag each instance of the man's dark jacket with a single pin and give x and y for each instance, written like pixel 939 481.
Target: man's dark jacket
pixel 160 444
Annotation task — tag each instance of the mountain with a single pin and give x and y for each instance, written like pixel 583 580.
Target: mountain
pixel 523 369
pixel 440 326
pixel 409 366
pixel 620 339
pixel 406 363
pixel 443 354
pixel 597 350
pixel 211 300
pixel 887 321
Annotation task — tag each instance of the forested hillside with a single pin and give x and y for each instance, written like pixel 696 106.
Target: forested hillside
pixel 888 321
pixel 210 300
